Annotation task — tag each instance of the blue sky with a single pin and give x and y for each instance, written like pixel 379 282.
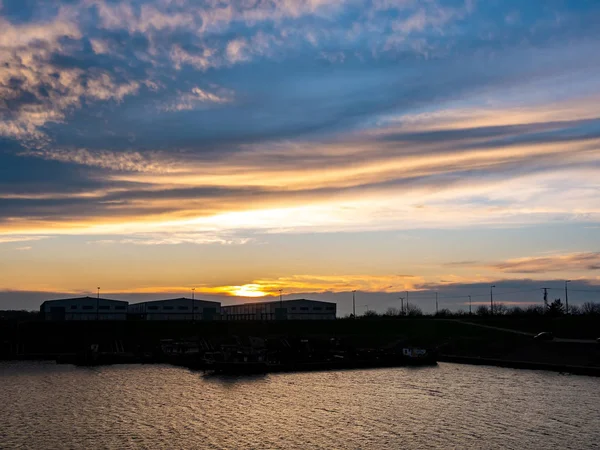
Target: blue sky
pixel 316 146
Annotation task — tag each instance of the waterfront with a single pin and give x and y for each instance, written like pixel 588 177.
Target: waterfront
pixel 43 405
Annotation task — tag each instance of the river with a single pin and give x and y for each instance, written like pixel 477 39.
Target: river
pixel 48 406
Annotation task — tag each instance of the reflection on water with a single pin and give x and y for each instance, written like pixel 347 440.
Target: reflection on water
pixel 45 406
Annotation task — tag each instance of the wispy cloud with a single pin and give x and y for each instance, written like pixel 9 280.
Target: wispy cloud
pixel 5 239
pixel 578 262
pixel 197 98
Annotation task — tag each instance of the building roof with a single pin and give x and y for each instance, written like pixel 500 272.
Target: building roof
pixel 177 299
pixel 74 299
pixel 283 301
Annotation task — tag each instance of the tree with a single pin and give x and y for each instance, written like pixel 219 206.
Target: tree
pixel 391 312
pixel 370 313
pixel 516 311
pixel 482 310
pixel 444 312
pixel 535 310
pixel 575 310
pixel 555 308
pixel 589 308
pixel 413 310
pixel 500 309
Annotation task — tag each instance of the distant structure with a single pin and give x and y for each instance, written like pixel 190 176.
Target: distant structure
pixel 301 309
pixel 84 308
pixel 175 309
pixel 185 309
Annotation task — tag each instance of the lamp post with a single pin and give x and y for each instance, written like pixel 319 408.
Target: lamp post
pixel 193 289
pixel 354 304
pixel 492 299
pixel 567 296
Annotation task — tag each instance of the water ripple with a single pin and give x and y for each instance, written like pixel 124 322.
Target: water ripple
pixel 45 406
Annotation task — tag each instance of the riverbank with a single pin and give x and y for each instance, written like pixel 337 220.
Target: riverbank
pixel 471 341
pixel 529 365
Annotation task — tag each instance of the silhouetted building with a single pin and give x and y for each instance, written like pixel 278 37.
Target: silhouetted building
pixel 300 309
pixel 84 308
pixel 176 309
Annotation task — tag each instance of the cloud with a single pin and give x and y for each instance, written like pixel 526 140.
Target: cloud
pixel 23 248
pixel 221 120
pixel 117 161
pixel 571 262
pixel 4 239
pixel 197 97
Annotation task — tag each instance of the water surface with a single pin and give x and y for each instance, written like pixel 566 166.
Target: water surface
pixel 46 406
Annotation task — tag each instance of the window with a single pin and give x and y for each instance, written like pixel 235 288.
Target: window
pixel 330 308
pixel 182 308
pixel 73 306
pixel 317 308
pixel 152 308
pixel 105 307
pixel 120 308
pixel 303 308
pixel 167 308
pixel 87 307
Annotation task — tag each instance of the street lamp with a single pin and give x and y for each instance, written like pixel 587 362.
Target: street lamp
pixel 567 296
pixel 193 289
pixel 492 299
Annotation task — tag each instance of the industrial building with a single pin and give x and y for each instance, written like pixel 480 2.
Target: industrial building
pixel 175 309
pixel 300 309
pixel 94 308
pixel 84 308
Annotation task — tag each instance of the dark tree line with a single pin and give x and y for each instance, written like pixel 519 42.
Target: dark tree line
pixel 554 309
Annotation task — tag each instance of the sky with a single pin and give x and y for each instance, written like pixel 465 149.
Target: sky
pixel 242 147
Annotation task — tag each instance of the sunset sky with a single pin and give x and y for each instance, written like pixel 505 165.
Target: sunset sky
pixel 314 146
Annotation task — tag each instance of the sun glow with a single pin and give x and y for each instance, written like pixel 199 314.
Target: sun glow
pixel 248 290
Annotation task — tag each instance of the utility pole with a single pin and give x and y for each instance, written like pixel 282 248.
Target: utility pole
pixel 469 305
pixel 567 297
pixel 406 302
pixel 354 304
pixel 492 299
pixel 281 298
pixel 436 303
pixel 545 299
pixel 98 303
pixel 401 305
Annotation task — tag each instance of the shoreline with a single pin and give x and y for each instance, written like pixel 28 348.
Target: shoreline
pixel 593 371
